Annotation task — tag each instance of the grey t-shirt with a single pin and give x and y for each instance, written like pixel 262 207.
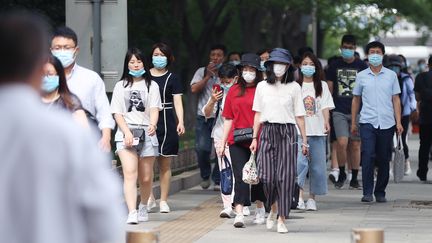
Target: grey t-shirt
pixel 205 94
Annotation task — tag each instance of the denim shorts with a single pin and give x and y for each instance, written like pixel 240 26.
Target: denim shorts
pixel 149 148
pixel 315 165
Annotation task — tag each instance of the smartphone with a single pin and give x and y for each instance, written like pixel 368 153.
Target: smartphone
pixel 217 87
pixel 135 141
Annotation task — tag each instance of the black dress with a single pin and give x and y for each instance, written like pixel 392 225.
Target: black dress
pixel 166 131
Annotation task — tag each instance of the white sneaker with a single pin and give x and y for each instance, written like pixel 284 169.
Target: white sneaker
pixel 226 213
pixel 132 217
pixel 239 221
pixel 271 219
pixel 311 205
pixel 259 216
pixel 163 207
pixel 281 228
pixel 151 203
pixel 408 168
pixel 301 205
pixel 334 175
pixel 142 213
pixel 246 211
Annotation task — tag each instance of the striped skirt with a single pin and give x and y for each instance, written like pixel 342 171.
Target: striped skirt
pixel 277 159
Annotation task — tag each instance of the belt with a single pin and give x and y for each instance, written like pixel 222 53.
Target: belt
pixel 168 105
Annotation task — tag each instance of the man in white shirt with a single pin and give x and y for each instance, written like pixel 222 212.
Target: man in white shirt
pixel 84 83
pixel 202 85
pixel 50 192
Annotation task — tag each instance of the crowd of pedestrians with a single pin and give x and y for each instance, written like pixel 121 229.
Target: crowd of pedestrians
pixel 270 107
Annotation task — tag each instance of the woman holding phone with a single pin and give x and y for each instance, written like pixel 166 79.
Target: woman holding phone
pixel 136 104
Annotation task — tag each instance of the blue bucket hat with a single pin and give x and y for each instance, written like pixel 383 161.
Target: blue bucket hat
pixel 279 55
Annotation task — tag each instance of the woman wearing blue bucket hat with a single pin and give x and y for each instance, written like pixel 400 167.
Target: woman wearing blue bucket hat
pixel 279 107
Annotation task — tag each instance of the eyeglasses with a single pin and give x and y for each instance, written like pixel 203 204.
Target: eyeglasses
pixel 66 48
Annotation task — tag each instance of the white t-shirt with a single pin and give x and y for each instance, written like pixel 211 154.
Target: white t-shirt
pixel 278 103
pixel 313 106
pixel 217 132
pixel 134 103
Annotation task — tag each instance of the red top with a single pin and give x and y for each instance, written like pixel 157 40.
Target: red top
pixel 239 109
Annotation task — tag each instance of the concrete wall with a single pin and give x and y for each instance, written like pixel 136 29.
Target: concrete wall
pixel 114 36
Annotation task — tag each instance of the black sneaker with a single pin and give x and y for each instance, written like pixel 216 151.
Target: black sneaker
pixel 367 198
pixel 354 185
pixel 340 183
pixel 380 199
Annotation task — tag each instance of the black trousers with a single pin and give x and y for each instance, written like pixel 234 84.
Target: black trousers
pixel 425 146
pixel 405 125
pixel 243 193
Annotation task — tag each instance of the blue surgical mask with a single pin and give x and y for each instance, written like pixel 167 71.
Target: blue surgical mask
pixel 262 66
pixel 235 63
pixel 159 62
pixel 137 73
pixel 50 83
pixel 396 69
pixel 308 70
pixel 375 59
pixel 226 87
pixel 66 57
pixel 347 53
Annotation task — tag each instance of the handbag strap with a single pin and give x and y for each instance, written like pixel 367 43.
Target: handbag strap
pixel 226 162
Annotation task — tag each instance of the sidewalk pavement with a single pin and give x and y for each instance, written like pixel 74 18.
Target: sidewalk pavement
pixel 194 216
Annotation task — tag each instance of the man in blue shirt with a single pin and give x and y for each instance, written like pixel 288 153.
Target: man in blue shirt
pixel 377 88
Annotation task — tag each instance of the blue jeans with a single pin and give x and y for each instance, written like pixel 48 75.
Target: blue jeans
pixel 317 166
pixel 203 148
pixel 376 150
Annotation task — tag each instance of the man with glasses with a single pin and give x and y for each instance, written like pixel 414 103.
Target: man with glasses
pixel 84 83
pixel 341 76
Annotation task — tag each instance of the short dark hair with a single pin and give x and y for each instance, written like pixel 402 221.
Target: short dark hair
pixel 24 39
pixel 234 53
pixel 227 71
pixel 166 50
pixel 375 44
pixel 66 32
pixel 302 50
pixel 219 47
pixel 262 51
pixel 349 39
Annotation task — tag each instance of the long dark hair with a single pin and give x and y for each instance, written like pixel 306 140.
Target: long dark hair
pixel 63 89
pixel 166 50
pixel 126 77
pixel 317 76
pixel 288 77
pixel 242 83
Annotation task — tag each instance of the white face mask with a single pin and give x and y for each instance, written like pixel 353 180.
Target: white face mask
pixel 248 76
pixel 279 69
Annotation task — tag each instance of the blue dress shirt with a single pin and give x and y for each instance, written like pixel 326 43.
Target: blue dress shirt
pixel 376 91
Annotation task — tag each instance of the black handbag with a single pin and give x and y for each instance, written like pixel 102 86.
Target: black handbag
pixel 243 135
pixel 226 177
pixel 138 133
pixel 296 195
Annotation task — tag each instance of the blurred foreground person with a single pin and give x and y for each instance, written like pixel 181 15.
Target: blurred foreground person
pixel 54 187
